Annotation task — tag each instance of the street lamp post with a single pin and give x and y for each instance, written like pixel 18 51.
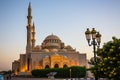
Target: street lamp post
pixel 96 40
pixel 70 74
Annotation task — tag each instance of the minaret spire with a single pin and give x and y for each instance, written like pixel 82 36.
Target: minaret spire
pixel 29 29
pixel 29 14
pixel 29 5
pixel 33 36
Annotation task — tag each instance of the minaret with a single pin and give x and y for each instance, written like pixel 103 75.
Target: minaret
pixel 33 36
pixel 29 30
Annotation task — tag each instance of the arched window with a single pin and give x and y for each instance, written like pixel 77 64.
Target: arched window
pixel 28 65
pixel 47 66
pixel 64 66
pixel 18 70
pixel 56 66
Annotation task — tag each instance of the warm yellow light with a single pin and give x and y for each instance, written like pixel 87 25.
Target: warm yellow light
pixel 16 73
pixel 24 69
pixel 38 67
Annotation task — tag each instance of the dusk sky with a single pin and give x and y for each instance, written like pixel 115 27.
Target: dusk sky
pixel 68 19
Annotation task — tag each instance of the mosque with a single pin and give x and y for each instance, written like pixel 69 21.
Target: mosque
pixel 52 53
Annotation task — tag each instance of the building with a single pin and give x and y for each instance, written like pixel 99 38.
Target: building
pixel 52 53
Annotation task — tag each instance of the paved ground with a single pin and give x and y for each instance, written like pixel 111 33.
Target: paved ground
pixel 16 78
pixel 21 78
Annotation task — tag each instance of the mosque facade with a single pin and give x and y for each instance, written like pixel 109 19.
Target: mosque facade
pixel 52 53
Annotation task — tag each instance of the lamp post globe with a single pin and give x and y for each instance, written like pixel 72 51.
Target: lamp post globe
pixel 88 35
pixel 93 32
pixel 98 38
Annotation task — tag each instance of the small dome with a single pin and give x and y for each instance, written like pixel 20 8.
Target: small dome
pixel 63 50
pixel 68 47
pixel 46 50
pixel 54 50
pixel 37 47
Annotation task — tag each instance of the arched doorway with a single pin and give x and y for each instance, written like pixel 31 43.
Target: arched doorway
pixel 47 66
pixel 64 66
pixel 56 66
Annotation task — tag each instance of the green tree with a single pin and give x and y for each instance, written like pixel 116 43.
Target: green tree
pixel 94 67
pixel 109 62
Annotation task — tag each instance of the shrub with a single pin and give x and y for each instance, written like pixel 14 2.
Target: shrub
pixel 76 72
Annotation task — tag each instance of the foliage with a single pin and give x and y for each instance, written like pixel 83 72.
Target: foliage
pixel 109 63
pixel 76 71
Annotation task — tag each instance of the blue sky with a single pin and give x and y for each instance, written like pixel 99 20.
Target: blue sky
pixel 67 19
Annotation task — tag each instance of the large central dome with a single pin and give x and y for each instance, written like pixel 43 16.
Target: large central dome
pixel 52 37
pixel 51 42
